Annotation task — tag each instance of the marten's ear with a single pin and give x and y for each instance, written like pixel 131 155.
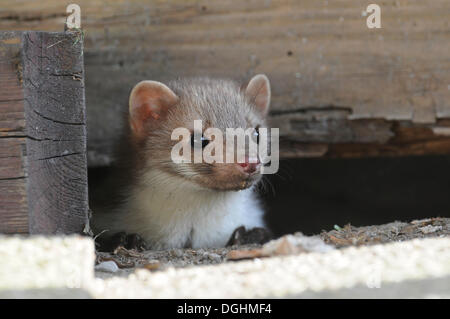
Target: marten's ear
pixel 258 93
pixel 149 101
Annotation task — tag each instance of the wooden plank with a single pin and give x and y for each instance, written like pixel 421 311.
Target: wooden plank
pixel 56 131
pixel 319 55
pixel 43 171
pixel 13 199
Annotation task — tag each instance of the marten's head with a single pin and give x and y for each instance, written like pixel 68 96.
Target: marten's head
pixel 156 110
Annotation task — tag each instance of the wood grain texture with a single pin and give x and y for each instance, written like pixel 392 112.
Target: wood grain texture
pixel 56 132
pixel 13 199
pixel 321 59
pixel 43 170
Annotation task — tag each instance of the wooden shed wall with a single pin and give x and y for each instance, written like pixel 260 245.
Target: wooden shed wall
pixel 339 88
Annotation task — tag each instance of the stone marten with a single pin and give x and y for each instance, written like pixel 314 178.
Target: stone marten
pixel 159 204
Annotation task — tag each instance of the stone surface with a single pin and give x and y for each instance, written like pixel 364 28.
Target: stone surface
pixel 107 266
pixel 307 274
pixel 45 262
pixel 304 267
pixel 426 288
pixel 47 293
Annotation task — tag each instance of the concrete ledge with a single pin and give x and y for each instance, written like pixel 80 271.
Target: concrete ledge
pixel 416 289
pixel 47 293
pixel 51 267
pixel 45 262
pixel 374 266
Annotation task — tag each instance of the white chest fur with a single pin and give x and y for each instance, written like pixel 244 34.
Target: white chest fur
pixel 169 212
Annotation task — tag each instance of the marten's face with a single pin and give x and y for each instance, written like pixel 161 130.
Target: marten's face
pixel 204 159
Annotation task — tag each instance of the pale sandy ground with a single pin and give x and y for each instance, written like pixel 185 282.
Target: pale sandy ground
pixel 397 260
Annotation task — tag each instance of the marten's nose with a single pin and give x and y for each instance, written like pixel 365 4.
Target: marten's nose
pixel 248 167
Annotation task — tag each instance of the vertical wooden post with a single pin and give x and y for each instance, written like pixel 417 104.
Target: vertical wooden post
pixel 13 199
pixel 49 133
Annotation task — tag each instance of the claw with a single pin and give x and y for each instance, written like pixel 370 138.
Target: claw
pixel 257 235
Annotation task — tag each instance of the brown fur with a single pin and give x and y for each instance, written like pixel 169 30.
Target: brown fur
pixel 146 143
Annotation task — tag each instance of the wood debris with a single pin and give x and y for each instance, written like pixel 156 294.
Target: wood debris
pixel 152 265
pixel 127 252
pixel 286 245
pixel 120 262
pixel 396 231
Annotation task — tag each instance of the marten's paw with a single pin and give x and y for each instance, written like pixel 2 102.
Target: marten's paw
pixel 129 241
pixel 242 236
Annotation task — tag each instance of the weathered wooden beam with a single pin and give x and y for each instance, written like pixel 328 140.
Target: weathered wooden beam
pixel 13 203
pixel 327 134
pixel 407 140
pixel 336 84
pixel 43 170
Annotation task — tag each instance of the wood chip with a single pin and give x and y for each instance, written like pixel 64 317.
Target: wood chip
pixel 286 245
pixel 340 241
pixel 245 254
pixel 127 252
pixel 152 265
pixel 422 222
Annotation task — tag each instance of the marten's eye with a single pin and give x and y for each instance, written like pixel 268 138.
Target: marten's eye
pixel 203 140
